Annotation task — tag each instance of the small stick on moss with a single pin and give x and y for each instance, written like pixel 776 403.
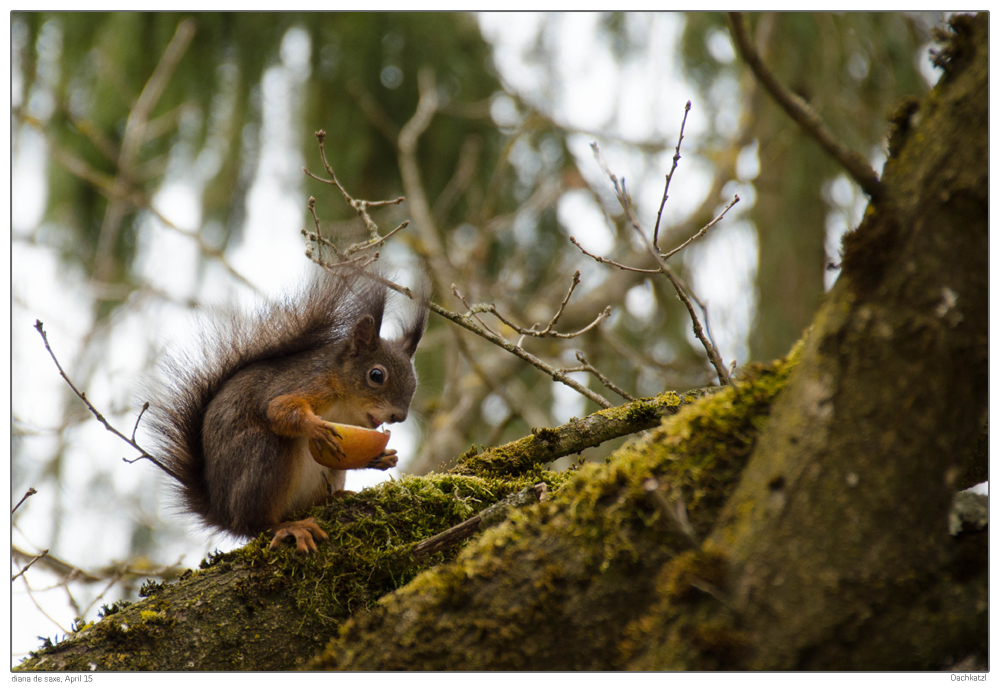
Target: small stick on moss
pixel 491 516
pixel 674 509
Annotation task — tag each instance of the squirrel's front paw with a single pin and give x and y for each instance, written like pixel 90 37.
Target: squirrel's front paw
pixel 384 461
pixel 324 435
pixel 304 532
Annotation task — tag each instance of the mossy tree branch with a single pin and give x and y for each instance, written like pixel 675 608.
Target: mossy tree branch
pixel 836 534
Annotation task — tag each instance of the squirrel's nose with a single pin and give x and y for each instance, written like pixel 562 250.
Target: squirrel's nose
pixel 397 416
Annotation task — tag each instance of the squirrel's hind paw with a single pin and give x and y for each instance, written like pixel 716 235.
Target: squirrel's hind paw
pixel 304 532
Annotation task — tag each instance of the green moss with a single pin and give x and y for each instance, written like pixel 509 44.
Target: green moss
pixel 587 562
pixel 372 533
pixel 692 611
pixel 369 554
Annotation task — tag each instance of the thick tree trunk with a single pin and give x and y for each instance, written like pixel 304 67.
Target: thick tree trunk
pixel 841 515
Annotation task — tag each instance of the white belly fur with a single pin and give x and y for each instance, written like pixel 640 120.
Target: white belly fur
pixel 312 482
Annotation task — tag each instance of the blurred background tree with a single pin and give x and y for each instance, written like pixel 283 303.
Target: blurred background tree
pixel 157 172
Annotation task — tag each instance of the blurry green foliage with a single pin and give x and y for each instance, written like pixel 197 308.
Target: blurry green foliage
pixel 101 62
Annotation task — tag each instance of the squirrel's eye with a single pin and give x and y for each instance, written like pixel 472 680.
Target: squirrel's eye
pixel 376 376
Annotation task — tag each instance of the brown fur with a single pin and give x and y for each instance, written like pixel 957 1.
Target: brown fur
pixel 231 419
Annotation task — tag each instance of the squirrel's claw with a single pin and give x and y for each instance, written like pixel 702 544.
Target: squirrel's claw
pixel 384 461
pixel 304 532
pixel 326 435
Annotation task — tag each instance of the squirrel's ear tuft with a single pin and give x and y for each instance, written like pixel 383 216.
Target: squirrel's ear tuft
pixel 414 332
pixel 364 335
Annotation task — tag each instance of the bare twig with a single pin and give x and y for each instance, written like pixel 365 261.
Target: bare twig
pixel 359 206
pixel 70 572
pixel 495 385
pixel 465 171
pixel 623 199
pixel 548 332
pixel 801 113
pixel 375 113
pixel 33 561
pixel 587 367
pixel 666 187
pixel 474 311
pixel 410 170
pixel 466 323
pixel 601 259
pixel 701 232
pixel 31 491
pixel 100 418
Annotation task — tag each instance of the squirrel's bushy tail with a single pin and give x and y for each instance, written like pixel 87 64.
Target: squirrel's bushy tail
pixel 319 315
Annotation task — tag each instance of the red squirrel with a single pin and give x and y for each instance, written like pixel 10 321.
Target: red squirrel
pixel 234 423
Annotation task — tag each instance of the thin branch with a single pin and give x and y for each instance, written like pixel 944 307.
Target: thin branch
pixel 467 323
pixel 134 137
pixel 408 168
pixel 465 172
pixel 203 248
pixel 548 332
pixel 474 311
pixel 701 232
pixel 373 110
pixel 601 259
pixel 548 444
pixel 800 112
pixel 100 418
pixel 623 199
pixel 33 561
pixel 497 387
pixel 120 189
pixel 587 367
pixel 359 206
pixel 666 186
pixel 31 491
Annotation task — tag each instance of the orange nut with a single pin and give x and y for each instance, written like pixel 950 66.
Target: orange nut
pixel 360 446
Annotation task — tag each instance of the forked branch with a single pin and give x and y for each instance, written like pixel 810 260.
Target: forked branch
pixel 623 199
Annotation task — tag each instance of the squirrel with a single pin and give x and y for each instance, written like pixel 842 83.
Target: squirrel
pixel 234 426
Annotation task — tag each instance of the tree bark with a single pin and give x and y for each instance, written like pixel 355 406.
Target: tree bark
pixel 841 515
